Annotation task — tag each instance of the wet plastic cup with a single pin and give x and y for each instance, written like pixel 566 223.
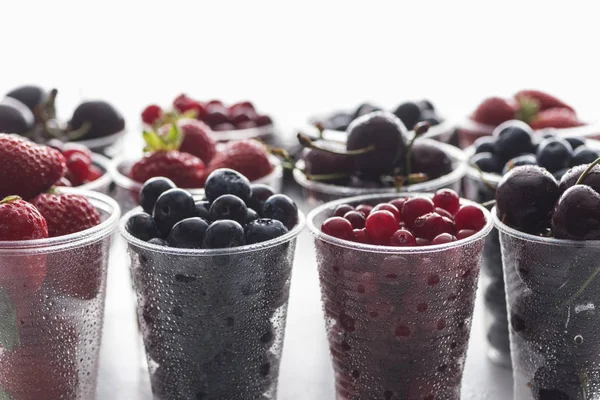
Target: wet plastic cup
pixel 213 320
pixel 52 294
pixel 552 293
pixel 398 319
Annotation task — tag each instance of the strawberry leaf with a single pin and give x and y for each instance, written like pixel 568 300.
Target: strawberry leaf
pixel 4 395
pixel 174 137
pixel 154 141
pixel 9 334
pixel 528 109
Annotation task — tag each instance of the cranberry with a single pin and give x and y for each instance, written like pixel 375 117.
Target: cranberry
pixel 447 199
pixel 246 125
pixel 357 219
pixel 223 127
pixel 469 217
pixel 465 233
pixel 240 117
pixel 242 112
pixel 365 209
pixel 423 242
pixel 388 207
pixel 242 105
pixel 449 226
pixel 214 103
pixel 443 212
pixel 338 227
pixel 398 203
pixel 403 238
pixel 429 226
pixel 443 238
pixel 94 173
pixel 361 236
pixel 215 118
pixel 74 148
pixel 342 210
pixel 263 120
pixel 79 167
pixel 381 225
pixel 151 114
pixel 415 207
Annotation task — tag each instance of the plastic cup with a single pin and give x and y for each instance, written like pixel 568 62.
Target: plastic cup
pixel 52 294
pixel 213 320
pixel 316 192
pixel 398 319
pixel 551 290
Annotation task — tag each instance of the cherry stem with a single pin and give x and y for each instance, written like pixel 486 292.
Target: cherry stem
pixel 320 128
pixel 324 177
pixel 485 182
pixel 305 141
pixel 488 204
pixel 587 171
pixel 420 129
pixel 8 199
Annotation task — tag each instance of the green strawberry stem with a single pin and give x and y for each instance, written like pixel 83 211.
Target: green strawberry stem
pixel 528 109
pixel 420 129
pixel 587 171
pixel 157 142
pixel 305 141
pixel 9 199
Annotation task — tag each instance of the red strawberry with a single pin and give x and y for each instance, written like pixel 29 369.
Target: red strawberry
pixel 494 111
pixel 20 220
pixel 186 170
pixel 66 213
pixel 555 118
pixel 197 139
pixel 183 103
pixel 151 114
pixel 249 157
pixel 27 169
pixel 544 100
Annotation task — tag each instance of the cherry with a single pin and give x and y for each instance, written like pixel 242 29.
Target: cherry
pixel 430 225
pixel 263 120
pixel 403 238
pixel 443 212
pixel 388 207
pixel 361 236
pixel 443 238
pixel 365 209
pixel 415 207
pixel 465 233
pixel 357 219
pixel 338 227
pixel 592 179
pixel 430 160
pixel 398 203
pixel 79 166
pixel 469 217
pixel 447 199
pixel 380 226
pixel 449 226
pixel 577 214
pixel 342 210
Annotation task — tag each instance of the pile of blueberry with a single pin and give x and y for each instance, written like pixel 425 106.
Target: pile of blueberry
pixel 234 213
pixel 513 144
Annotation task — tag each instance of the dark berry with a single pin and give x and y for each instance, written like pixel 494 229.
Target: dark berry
pixel 409 113
pixel 447 199
pixel 227 181
pixel 413 208
pixel 430 160
pixel 158 242
pixel 365 209
pixel 338 227
pixel 356 218
pixel 251 215
pixel 487 162
pixel 30 95
pixel 380 226
pixel 203 209
pixel 577 214
pixel 362 236
pixel 264 229
pixel 171 207
pixel 260 194
pixel 485 144
pixel 102 118
pixel 513 138
pixel 592 179
pixel 388 207
pixel 365 108
pixel 428 226
pixel 469 217
pixel 263 120
pixel 403 238
pixel 524 159
pixel 554 154
pixel 281 208
pixel 443 238
pixel 15 117
pixel 152 190
pixel 583 155
pixel 398 203
pixel 142 226
pixel 188 233
pixel 223 234
pixel 525 198
pixel 342 210
pixel 79 167
pixel 431 117
pixel 228 206
pixel 217 117
pixel 575 142
pixel 319 162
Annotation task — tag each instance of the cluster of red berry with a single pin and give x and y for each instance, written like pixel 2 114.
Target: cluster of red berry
pixel 80 169
pixel 412 221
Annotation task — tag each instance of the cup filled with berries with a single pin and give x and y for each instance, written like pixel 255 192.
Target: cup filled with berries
pixel 513 144
pixel 550 243
pixel 186 152
pixel 212 277
pixel 398 277
pixel 376 155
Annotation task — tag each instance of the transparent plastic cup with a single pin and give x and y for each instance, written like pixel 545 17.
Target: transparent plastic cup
pixel 213 320
pixel 398 319
pixel 52 294
pixel 110 145
pixel 552 292
pixel 315 192
pixel 126 190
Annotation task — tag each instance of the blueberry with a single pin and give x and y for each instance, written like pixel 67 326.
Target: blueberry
pixel 171 207
pixel 409 113
pixel 575 142
pixel 228 206
pixel 188 233
pixel 426 105
pixel 264 229
pixel 485 144
pixel 513 138
pixel 152 190
pixel 487 162
pixel 227 181
pixel 431 117
pixel 523 159
pixel 260 194
pixel 364 109
pixel 202 209
pixel 554 154
pixel 281 208
pixel 430 160
pixel 101 116
pixel 142 226
pixel 158 242
pixel 251 215
pixel 224 233
pixel 583 155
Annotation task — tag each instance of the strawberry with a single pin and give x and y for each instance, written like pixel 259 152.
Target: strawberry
pixel 249 157
pixel 197 139
pixel 544 100
pixel 20 220
pixel 66 213
pixel 26 168
pixel 555 118
pixel 151 114
pixel 494 111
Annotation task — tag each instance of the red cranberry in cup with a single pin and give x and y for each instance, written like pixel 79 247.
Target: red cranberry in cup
pixel 383 297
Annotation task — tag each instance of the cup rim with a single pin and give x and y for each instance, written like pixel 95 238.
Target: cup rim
pixel 371 248
pixel 73 240
pixel 132 240
pixel 106 178
pixel 589 129
pixel 457 174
